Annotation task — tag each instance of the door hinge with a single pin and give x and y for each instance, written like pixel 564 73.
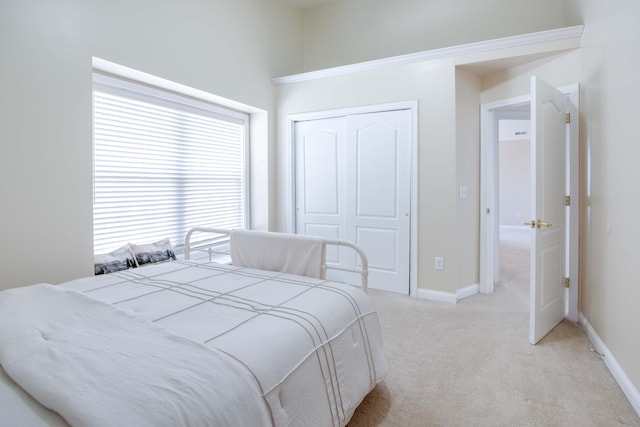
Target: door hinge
pixel 567 200
pixel 566 282
pixel 567 118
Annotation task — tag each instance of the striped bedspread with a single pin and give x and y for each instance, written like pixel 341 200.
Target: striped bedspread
pixel 314 347
pixel 99 366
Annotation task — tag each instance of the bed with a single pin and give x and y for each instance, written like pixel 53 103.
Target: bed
pixel 192 342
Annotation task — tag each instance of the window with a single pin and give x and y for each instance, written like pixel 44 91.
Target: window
pixel 163 163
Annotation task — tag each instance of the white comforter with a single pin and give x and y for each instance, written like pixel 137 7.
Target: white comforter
pixel 99 366
pixel 311 348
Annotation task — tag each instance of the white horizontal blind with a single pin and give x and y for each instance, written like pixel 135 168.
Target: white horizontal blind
pixel 163 163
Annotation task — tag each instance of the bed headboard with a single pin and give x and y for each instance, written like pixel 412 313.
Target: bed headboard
pixel 212 250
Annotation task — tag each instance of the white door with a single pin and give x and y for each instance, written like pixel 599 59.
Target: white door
pixel 353 182
pixel 548 162
pixel 378 194
pixel 320 153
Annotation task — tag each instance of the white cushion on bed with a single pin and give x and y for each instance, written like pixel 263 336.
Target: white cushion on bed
pixel 120 259
pixel 152 253
pixel 286 253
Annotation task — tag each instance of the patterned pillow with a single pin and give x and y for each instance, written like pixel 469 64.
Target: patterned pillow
pixel 120 259
pixel 153 252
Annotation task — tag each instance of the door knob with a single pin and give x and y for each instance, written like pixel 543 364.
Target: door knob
pixel 539 224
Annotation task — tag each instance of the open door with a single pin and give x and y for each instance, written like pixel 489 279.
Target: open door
pixel 549 139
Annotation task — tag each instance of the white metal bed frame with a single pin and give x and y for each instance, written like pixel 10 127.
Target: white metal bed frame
pixel 363 271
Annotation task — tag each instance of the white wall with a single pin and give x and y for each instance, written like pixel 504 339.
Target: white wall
pixel 433 85
pixel 515 182
pixel 343 33
pixel 349 31
pixel 228 48
pixel 610 236
pixel 468 89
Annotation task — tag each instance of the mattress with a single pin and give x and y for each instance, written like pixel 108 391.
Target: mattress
pixel 314 347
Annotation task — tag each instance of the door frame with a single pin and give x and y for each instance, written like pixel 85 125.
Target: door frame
pixel 341 112
pixel 490 113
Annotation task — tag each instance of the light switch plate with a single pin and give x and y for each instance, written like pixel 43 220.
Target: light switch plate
pixel 462 192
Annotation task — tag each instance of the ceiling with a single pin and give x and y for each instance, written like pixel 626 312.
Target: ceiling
pixel 306 4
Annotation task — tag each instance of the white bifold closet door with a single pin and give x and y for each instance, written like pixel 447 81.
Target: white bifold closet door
pixel 353 182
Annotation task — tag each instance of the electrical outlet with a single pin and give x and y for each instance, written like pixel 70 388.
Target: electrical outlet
pixel 439 263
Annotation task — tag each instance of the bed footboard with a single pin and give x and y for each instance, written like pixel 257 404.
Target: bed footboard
pixel 212 250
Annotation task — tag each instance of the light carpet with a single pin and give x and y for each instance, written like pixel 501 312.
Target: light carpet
pixel 470 364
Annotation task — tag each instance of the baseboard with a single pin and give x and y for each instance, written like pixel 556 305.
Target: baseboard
pixel 616 370
pixel 440 296
pixel 448 297
pixel 468 291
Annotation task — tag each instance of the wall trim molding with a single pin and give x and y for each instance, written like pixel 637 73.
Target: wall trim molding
pixel 616 370
pixel 445 52
pixel 448 297
pixel 468 291
pixel 439 296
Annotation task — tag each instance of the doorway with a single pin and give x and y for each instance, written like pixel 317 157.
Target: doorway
pixel 514 177
pixel 512 108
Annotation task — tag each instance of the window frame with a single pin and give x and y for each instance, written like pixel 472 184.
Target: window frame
pixel 121 85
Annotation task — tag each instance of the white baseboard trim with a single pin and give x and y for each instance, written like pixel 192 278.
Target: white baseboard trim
pixel 440 296
pixel 448 297
pixel 468 291
pixel 616 370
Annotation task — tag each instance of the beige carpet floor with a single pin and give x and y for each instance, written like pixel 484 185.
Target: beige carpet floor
pixel 470 364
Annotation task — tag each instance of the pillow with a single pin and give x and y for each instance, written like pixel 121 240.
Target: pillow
pixel 153 252
pixel 120 259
